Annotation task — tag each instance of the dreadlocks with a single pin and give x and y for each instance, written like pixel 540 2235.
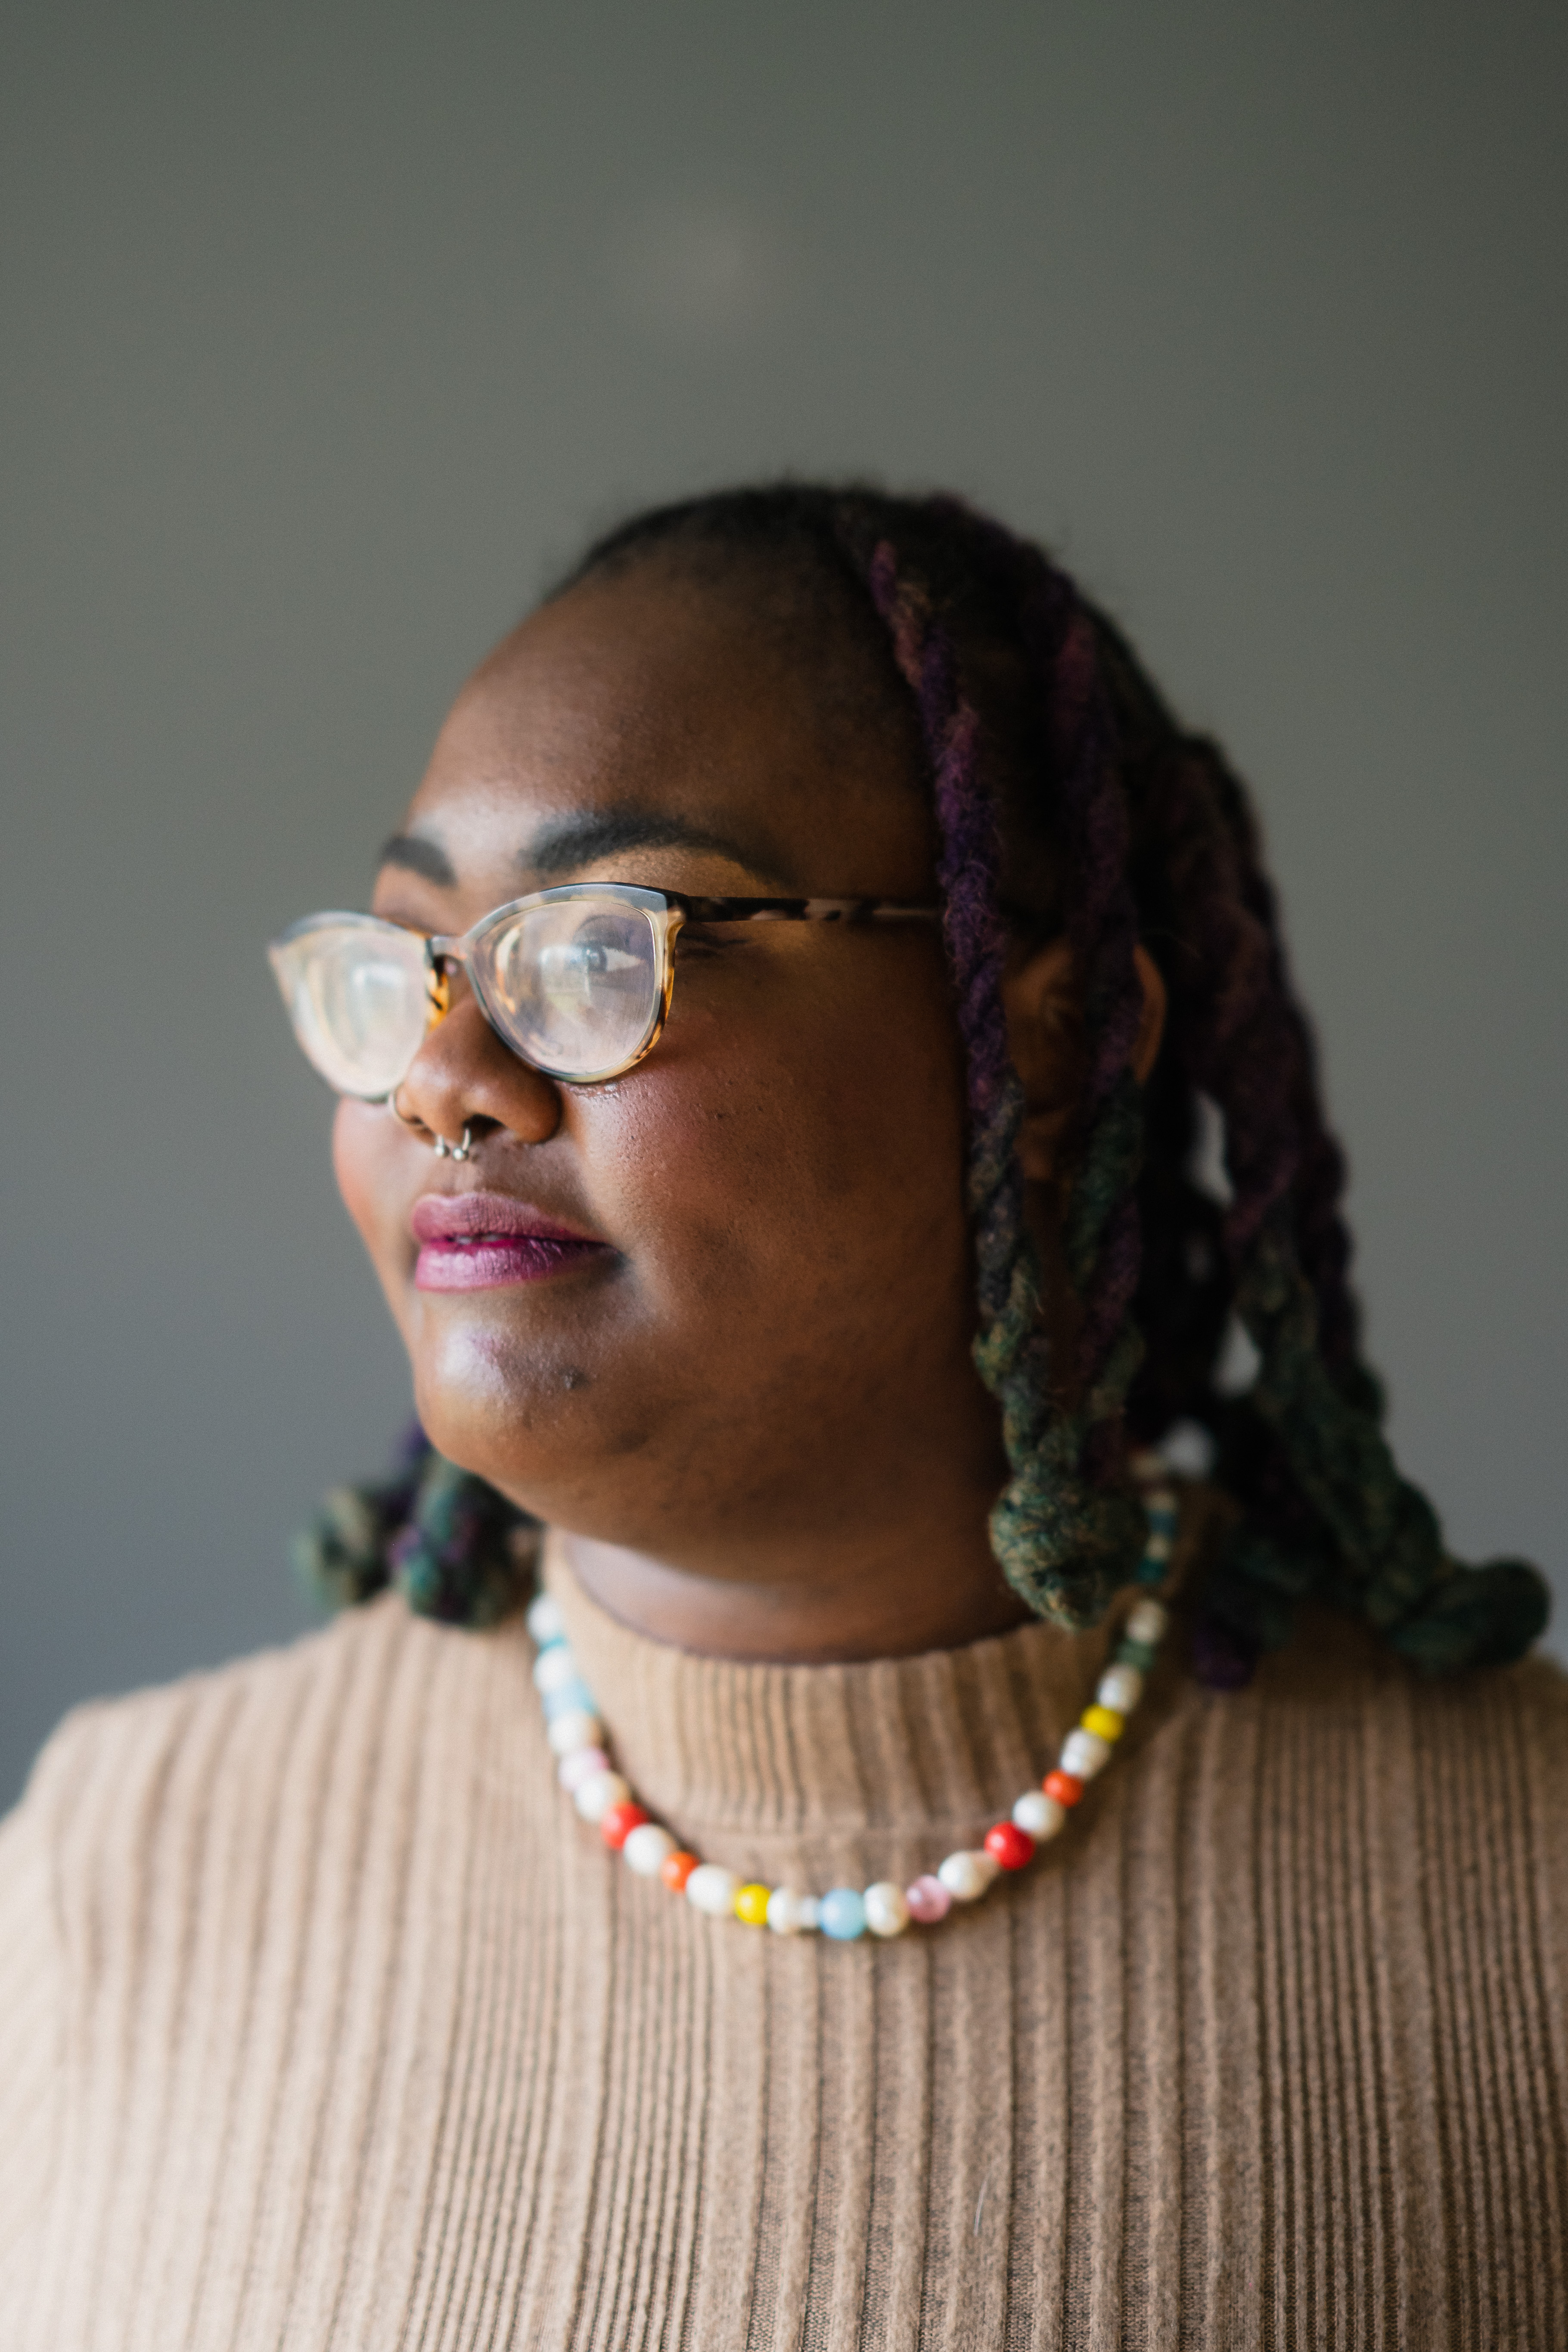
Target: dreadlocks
pixel 1066 797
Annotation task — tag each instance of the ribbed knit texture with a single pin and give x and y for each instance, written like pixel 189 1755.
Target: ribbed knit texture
pixel 325 2021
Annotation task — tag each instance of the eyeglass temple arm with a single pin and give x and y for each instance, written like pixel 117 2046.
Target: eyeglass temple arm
pixel 802 910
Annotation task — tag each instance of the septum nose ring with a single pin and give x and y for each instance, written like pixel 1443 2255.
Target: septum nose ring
pixel 438 1143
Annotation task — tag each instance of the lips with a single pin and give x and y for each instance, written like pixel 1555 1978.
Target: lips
pixel 485 1241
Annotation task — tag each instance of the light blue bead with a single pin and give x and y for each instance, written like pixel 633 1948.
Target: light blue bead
pixel 843 1914
pixel 572 1698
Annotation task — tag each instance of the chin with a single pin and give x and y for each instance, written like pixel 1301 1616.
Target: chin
pixel 528 1414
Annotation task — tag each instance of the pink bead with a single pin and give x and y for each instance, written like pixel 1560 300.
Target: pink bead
pixel 929 1901
pixel 580 1766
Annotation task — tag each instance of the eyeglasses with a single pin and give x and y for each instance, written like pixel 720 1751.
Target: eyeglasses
pixel 577 981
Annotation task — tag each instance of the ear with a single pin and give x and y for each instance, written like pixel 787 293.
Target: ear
pixel 1045 1038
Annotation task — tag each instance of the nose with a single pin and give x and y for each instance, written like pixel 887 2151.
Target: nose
pixel 464 1076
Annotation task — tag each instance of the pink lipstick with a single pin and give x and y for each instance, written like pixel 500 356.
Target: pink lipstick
pixel 484 1241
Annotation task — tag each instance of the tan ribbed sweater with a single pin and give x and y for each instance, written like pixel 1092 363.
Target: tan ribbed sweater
pixel 325 2021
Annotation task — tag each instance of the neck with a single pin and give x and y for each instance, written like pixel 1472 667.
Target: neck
pixel 895 1595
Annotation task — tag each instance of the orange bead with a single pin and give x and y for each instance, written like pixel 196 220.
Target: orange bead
pixel 616 1823
pixel 676 1869
pixel 1065 1787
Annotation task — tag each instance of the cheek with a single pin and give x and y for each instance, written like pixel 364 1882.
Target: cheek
pixel 365 1151
pixel 801 1171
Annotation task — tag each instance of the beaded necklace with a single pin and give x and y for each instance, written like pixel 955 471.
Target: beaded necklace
pixel 603 1796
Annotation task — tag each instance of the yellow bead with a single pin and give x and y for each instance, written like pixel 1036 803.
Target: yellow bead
pixel 1104 1721
pixel 752 1905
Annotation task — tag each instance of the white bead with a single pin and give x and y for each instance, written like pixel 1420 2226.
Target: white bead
pixel 810 1914
pixel 544 1620
pixel 1121 1687
pixel 646 1848
pixel 1039 1814
pixel 887 1913
pixel 580 1766
pixel 1157 1547
pixel 966 1875
pixel 1188 1449
pixel 1148 1621
pixel 1084 1754
pixel 554 1667
pixel 712 1890
pixel 787 1911
pixel 596 1796
pixel 578 1730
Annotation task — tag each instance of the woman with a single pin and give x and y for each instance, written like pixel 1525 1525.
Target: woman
pixel 942 1936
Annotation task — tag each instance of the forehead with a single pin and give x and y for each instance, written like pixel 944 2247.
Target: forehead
pixel 652 696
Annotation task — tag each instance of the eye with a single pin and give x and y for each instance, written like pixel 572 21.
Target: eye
pixel 596 954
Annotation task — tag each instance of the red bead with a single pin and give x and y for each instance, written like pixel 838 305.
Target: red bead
pixel 676 1869
pixel 617 1822
pixel 1065 1787
pixel 1009 1845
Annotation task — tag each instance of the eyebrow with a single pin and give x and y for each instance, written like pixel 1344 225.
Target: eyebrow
pixel 572 841
pixel 569 843
pixel 415 855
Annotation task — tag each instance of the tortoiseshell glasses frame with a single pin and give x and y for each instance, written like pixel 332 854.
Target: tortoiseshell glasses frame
pixel 576 981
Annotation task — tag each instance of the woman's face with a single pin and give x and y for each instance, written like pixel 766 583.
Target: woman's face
pixel 773 1330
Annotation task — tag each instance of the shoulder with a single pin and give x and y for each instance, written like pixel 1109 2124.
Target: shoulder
pixel 1457 1781
pixel 131 1793
pixel 1336 1666
pixel 138 1737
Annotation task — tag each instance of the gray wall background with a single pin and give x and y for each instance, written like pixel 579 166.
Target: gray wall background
pixel 328 330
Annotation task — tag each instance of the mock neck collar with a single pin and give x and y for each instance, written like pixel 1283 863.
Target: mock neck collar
pixel 939 1743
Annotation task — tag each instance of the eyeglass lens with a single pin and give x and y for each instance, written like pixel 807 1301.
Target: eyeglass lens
pixel 571 985
pixel 357 996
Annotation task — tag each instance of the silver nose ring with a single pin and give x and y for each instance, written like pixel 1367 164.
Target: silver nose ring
pixel 438 1143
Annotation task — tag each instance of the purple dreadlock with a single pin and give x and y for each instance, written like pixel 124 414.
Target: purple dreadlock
pixel 1064 1537
pixel 1043 742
